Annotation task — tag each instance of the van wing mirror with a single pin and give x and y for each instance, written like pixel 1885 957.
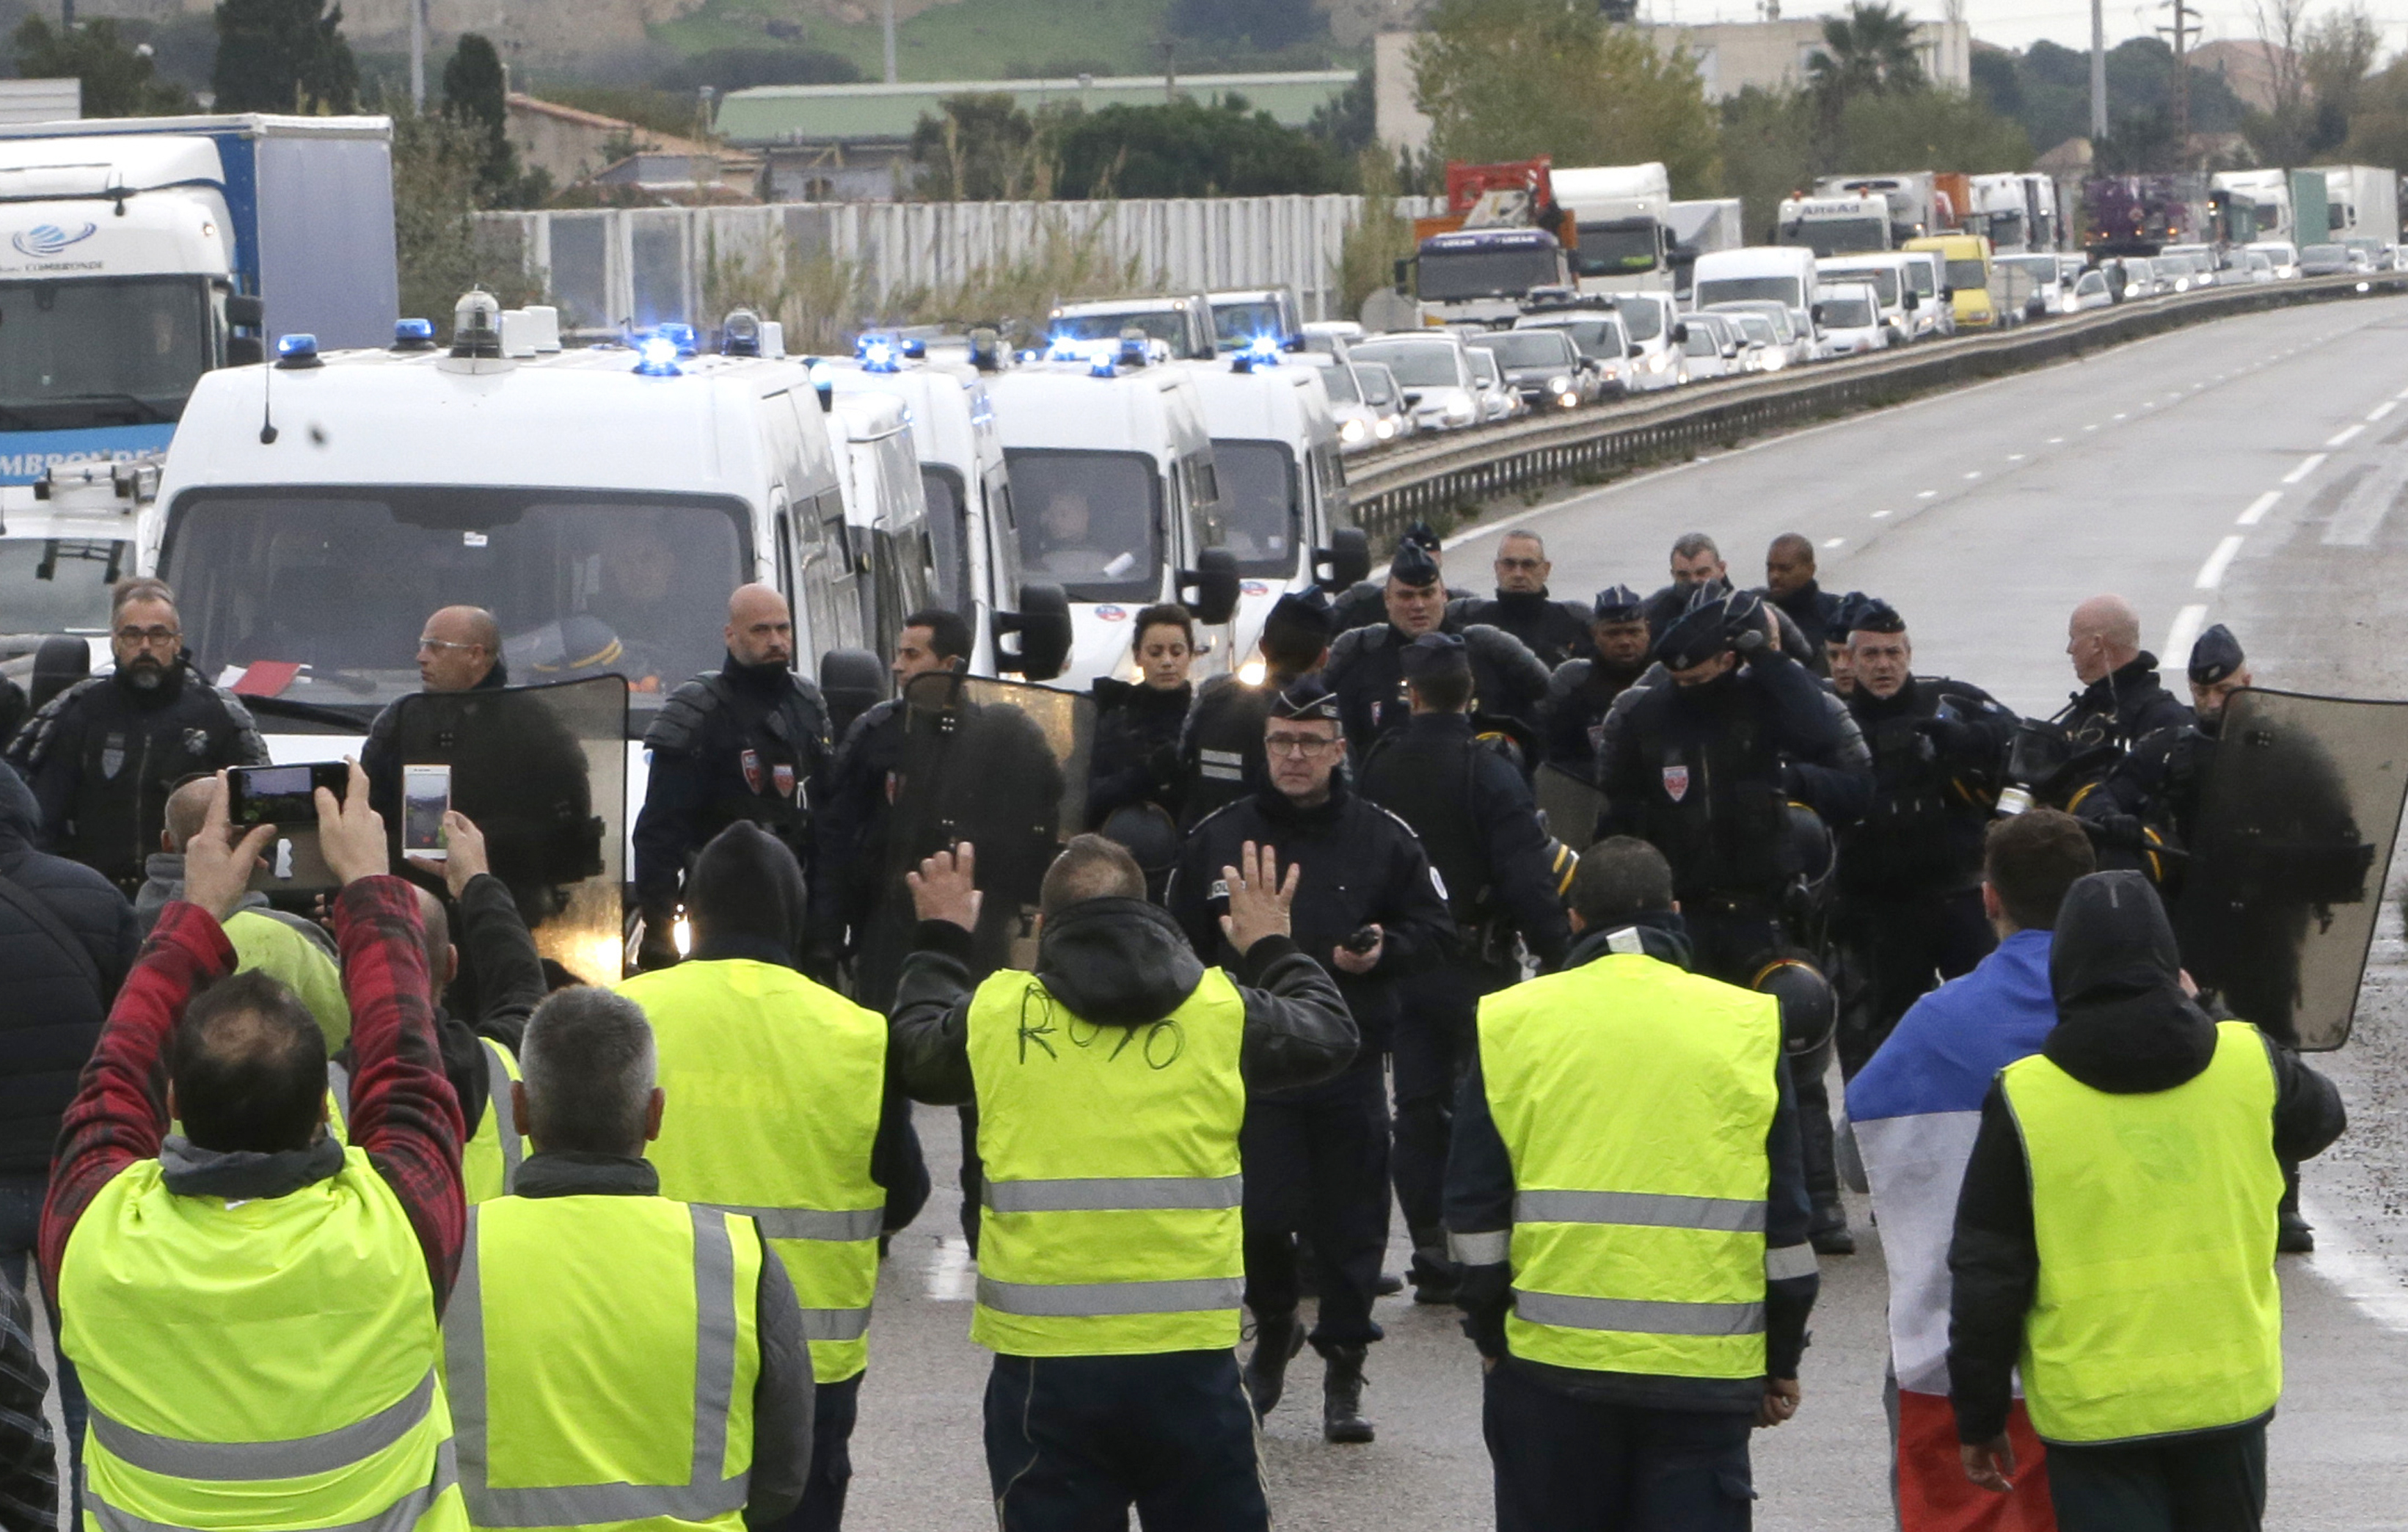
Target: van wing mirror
pixel 245 310
pixel 852 682
pixel 1214 584
pixel 1679 333
pixel 1815 313
pixel 1348 556
pixel 1043 624
pixel 1403 272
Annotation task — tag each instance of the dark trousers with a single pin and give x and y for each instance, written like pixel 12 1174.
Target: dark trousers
pixel 2203 1483
pixel 1816 1137
pixel 1435 1031
pixel 1568 1465
pixel 833 1408
pixel 1072 1442
pixel 1908 947
pixel 1316 1164
pixel 973 1177
pixel 21 1221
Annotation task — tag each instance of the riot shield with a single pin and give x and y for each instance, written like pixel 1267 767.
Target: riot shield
pixel 1002 766
pixel 1571 804
pixel 542 770
pixel 2291 849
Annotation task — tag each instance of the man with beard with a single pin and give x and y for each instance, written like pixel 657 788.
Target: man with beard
pixel 1554 630
pixel 1367 666
pixel 747 741
pixel 1581 690
pixel 103 756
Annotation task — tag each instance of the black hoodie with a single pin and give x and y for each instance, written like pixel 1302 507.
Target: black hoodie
pixel 2125 1027
pixel 1118 963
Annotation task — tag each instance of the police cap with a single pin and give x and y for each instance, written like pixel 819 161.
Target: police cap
pixel 1309 698
pixel 1697 636
pixel 1422 535
pixel 1874 615
pixel 1434 655
pixel 1618 603
pixel 1413 564
pixel 2215 657
pixel 1303 611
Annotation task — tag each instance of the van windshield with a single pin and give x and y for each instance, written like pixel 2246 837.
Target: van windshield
pixel 1164 324
pixel 1418 364
pixel 1619 248
pixel 1258 503
pixel 1450 275
pixel 1849 313
pixel 1882 279
pixel 1642 319
pixel 1965 274
pixel 1715 289
pixel 59 584
pixel 1338 382
pixel 100 350
pixel 1237 325
pixel 1089 521
pixel 340 580
pixel 1837 236
pixel 1599 339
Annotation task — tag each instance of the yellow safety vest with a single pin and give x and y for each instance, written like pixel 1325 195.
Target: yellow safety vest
pixel 775 1086
pixel 1634 1101
pixel 601 1353
pixel 259 1364
pixel 489 1161
pixel 2157 1310
pixel 1111 1223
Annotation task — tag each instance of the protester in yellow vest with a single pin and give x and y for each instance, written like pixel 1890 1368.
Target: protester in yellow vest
pixel 252 1305
pixel 783 1113
pixel 1111 1084
pixel 2115 1236
pixel 611 1356
pixel 1627 1195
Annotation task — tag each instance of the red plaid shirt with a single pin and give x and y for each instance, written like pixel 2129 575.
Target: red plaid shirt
pixel 403 1110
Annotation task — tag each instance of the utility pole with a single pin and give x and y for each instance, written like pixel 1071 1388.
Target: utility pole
pixel 417 55
pixel 66 15
pixel 1169 69
pixel 891 76
pixel 2098 72
pixel 2183 30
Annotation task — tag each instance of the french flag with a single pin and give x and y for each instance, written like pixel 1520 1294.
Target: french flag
pixel 1915 1106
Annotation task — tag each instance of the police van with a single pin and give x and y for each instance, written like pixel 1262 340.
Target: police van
pixel 885 528
pixel 1284 515
pixel 1117 500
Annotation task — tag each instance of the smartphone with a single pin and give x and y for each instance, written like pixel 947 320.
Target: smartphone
pixel 281 796
pixel 425 794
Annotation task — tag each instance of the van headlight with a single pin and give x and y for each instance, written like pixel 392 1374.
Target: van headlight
pixel 1351 431
pixel 1385 429
pixel 1462 411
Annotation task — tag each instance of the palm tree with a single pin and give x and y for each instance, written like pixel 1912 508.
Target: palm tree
pixel 1868 51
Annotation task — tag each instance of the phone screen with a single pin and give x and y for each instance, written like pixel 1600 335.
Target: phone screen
pixel 280 794
pixel 425 794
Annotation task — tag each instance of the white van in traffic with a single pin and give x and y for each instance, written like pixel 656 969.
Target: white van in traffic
pixel 1783 273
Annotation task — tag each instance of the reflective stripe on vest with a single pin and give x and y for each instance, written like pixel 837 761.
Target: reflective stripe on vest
pixel 706 1496
pixel 403 1517
pixel 2157 1309
pixel 325 1453
pixel 1111 1222
pixel 780 1085
pixel 489 1162
pixel 1625 1259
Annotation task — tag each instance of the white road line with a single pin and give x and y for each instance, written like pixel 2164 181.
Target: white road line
pixel 2120 416
pixel 2385 407
pixel 2015 457
pixel 1833 542
pixel 952 1278
pixel 2342 438
pixel 2056 441
pixel 2211 574
pixel 2186 628
pixel 2357 1271
pixel 2308 464
pixel 2090 428
pixel 1880 514
pixel 1924 494
pixel 2258 507
pixel 1975 474
pixel 2402 395
pixel 2360 514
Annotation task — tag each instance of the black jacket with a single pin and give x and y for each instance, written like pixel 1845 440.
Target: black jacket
pixel 2123 1026
pixel 1817 612
pixel 1362 865
pixel 1572 721
pixel 103 756
pixel 1118 963
pixel 1136 758
pixel 1220 746
pixel 1480 1190
pixel 851 827
pixel 1554 630
pixel 1367 671
pixel 783 1392
pixel 1935 780
pixel 2110 716
pixel 50 1012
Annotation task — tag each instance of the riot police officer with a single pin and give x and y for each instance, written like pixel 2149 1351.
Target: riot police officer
pixel 1697 562
pixel 1365 602
pixel 1477 820
pixel 1366 664
pixel 2153 796
pixel 1368 907
pixel 748 741
pixel 1555 631
pixel 2122 701
pixel 1573 718
pixel 1221 749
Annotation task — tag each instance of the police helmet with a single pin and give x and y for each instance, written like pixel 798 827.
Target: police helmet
pixel 1145 831
pixel 1809 1011
pixel 1810 853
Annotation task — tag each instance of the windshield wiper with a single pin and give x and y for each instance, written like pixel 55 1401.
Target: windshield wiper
pixel 157 415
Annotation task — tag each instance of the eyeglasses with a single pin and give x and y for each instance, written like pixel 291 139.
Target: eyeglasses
pixel 149 637
pixel 1299 744
pixel 426 644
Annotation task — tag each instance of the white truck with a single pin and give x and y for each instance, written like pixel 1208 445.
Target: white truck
pixel 1847 224
pixel 1917 207
pixel 1700 228
pixel 2017 211
pixel 2362 202
pixel 1623 214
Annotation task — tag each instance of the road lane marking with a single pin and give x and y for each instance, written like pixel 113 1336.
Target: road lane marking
pixel 2186 629
pixel 952 1277
pixel 1924 494
pixel 2090 428
pixel 2342 438
pixel 2402 395
pixel 2258 507
pixel 2056 441
pixel 2360 1275
pixel 2015 457
pixel 2308 464
pixel 1879 514
pixel 1833 542
pixel 1975 474
pixel 2211 574
pixel 2121 417
pixel 2370 500
pixel 2385 407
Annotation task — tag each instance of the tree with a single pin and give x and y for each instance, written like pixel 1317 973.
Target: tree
pixel 474 94
pixel 725 69
pixel 118 80
pixel 1184 148
pixel 979 148
pixel 2337 57
pixel 1768 152
pixel 1507 79
pixel 1349 124
pixel 1265 25
pixel 2279 136
pixel 1940 130
pixel 439 247
pixel 283 56
pixel 1868 51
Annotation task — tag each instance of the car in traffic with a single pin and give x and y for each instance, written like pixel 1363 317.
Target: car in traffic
pixel 2281 255
pixel 2329 260
pixel 1360 427
pixel 1432 368
pixel 1384 397
pixel 1542 365
pixel 1792 346
pixel 1851 319
pixel 2051 283
pixel 2090 291
pixel 1712 347
pixel 1497 402
pixel 1766 353
pixel 1596 331
pixel 1652 320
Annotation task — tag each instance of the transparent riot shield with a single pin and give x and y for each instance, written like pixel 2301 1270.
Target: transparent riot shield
pixel 1571 804
pixel 2291 849
pixel 542 771
pixel 1003 766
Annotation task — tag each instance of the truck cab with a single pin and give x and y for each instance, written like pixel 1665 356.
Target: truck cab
pixel 1090 328
pixel 1848 224
pixel 1967 258
pixel 1482 275
pixel 1623 215
pixel 1117 500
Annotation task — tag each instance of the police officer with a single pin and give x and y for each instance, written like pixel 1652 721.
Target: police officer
pixel 1220 750
pixel 2157 785
pixel 1112 1084
pixel 1790 584
pixel 2122 701
pixel 1696 561
pixel 102 756
pixel 1636 1313
pixel 829 1164
pixel 1581 690
pixel 1704 767
pixel 1366 664
pixel 588 1272
pixel 1835 642
pixel 1554 630
pixel 747 741
pixel 1366 601
pixel 1479 827
pixel 1368 907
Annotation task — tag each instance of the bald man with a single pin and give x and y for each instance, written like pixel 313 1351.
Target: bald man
pixel 747 741
pixel 1790 584
pixel 2122 701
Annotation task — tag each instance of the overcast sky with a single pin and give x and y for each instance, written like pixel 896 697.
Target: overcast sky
pixel 2018 23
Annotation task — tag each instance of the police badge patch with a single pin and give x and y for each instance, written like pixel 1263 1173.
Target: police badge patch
pixel 751 760
pixel 1676 783
pixel 197 741
pixel 112 757
pixel 783 778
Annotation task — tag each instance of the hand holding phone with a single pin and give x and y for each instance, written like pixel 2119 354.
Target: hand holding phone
pixel 425 802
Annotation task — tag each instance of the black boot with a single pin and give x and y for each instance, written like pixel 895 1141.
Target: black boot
pixel 1829 1234
pixel 1277 1340
pixel 1341 1396
pixel 2291 1231
pixel 1432 1274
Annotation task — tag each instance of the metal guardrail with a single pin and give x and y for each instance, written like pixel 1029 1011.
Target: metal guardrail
pixel 1412 483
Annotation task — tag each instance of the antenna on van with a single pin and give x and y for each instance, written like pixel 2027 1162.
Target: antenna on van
pixel 266 404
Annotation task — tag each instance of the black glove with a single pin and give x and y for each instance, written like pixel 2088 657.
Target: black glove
pixel 2115 832
pixel 1951 737
pixel 1744 622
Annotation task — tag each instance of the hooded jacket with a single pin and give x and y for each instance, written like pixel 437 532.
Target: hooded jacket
pixel 1118 963
pixel 2125 1027
pixel 49 1012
